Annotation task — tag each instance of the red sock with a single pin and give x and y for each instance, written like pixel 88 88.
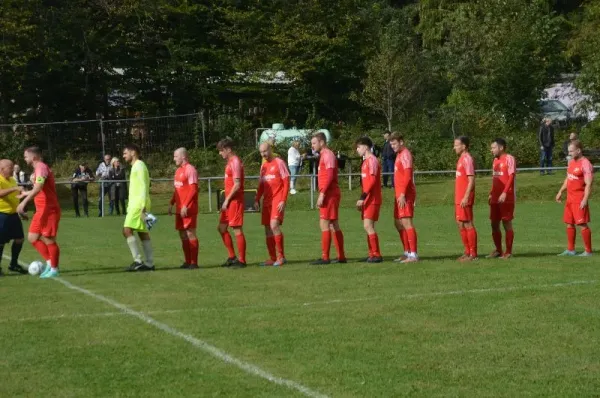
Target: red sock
pixel 241 245
pixel 193 251
pixel 586 234
pixel 374 244
pixel 571 233
pixel 472 236
pixel 279 245
pixel 369 246
pixel 325 244
pixel 54 252
pixel 42 249
pixel 497 236
pixel 338 241
pixel 510 237
pixel 411 237
pixel 185 246
pixel 228 244
pixel 465 240
pixel 404 239
pixel 271 247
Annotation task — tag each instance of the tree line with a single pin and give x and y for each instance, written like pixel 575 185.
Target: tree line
pixel 433 64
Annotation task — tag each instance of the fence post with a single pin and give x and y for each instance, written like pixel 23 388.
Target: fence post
pixel 209 196
pixel 350 175
pixel 102 137
pixel 102 198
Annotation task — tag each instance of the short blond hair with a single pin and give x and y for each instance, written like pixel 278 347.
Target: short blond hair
pixel 113 160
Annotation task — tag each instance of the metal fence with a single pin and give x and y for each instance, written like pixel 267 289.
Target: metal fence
pixel 213 184
pixel 100 136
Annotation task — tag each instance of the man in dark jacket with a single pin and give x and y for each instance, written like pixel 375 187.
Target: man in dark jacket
pixel 546 142
pixel 387 159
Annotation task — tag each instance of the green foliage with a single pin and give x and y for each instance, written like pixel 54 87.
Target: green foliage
pixel 472 66
pixel 584 45
pixel 396 73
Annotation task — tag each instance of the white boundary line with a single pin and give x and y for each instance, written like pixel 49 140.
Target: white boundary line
pixel 251 368
pixel 200 344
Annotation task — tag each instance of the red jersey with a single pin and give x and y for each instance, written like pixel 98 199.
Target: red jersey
pixel 577 171
pixel 403 175
pixel 464 168
pixel 503 179
pixel 186 188
pixel 328 173
pixel 47 197
pixel 234 170
pixel 370 173
pixel 274 181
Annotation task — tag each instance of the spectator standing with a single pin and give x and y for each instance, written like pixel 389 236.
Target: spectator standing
pixel 294 163
pixel 19 175
pixel 388 156
pixel 80 179
pixel 546 142
pixel 565 149
pixel 102 173
pixel 118 188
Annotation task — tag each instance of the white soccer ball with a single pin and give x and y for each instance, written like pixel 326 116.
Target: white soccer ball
pixel 35 268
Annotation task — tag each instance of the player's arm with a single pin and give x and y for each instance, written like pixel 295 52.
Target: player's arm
pixel 286 187
pixel 29 195
pixel 561 190
pixel 193 189
pixel 470 188
pixel 142 194
pixel 509 183
pixel 327 181
pixel 7 191
pixel 237 183
pixel 260 191
pixel 285 179
pixel 588 177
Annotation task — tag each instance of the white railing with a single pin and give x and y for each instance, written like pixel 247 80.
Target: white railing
pixel 313 179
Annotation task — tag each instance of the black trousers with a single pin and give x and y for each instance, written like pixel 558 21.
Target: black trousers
pixel 76 190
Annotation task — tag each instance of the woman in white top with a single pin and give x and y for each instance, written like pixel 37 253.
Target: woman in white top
pixel 294 161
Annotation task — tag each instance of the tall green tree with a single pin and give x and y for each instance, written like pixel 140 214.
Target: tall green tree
pixel 583 47
pixel 396 74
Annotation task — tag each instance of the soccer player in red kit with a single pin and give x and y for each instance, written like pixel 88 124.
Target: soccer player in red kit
pixel 578 184
pixel 273 189
pixel 405 194
pixel 185 200
pixel 328 201
pixel 464 198
pixel 232 210
pixel 44 225
pixel 502 198
pixel 370 199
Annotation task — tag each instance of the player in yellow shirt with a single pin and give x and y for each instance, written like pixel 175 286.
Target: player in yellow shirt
pixel 11 227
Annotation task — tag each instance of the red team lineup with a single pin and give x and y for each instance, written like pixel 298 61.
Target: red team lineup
pixel 274 185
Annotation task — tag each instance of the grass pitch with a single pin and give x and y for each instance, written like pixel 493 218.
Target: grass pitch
pixel 529 326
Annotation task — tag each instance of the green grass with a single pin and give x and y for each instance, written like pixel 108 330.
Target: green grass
pixel 434 328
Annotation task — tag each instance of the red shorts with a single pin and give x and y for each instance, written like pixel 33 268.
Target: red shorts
pixel 574 215
pixel 234 215
pixel 407 212
pixel 329 210
pixel 45 222
pixel 370 212
pixel 270 212
pixel 183 223
pixel 502 211
pixel 464 214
